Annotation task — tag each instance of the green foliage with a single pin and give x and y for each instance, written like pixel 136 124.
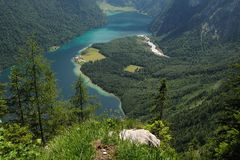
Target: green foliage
pixel 80 99
pixel 162 131
pixel 228 141
pixel 195 72
pixel 132 151
pixel 161 99
pixel 192 154
pixel 16 142
pixel 74 143
pixel 3 106
pixel 32 88
pixel 225 143
pixel 194 81
pixel 77 143
pixel 52 21
pixel 62 115
pixel 16 89
pixel 150 7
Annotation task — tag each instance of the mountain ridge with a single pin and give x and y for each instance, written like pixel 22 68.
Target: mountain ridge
pixel 217 19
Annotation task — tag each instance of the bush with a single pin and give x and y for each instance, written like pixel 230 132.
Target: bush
pixel 162 131
pixel 17 142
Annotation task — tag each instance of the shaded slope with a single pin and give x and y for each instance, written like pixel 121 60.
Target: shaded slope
pixel 150 7
pixel 216 18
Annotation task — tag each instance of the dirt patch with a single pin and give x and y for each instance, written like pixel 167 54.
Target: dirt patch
pixel 104 152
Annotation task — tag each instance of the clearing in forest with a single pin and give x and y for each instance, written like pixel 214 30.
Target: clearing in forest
pixel 132 68
pixel 92 55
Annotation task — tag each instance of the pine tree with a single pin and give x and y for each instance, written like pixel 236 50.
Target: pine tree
pixel 3 106
pixel 49 98
pixel 161 100
pixel 16 91
pixel 39 84
pixel 79 100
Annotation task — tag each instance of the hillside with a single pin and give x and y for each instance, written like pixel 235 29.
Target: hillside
pixel 192 77
pixel 52 21
pixel 202 40
pixel 217 19
pixel 86 142
pixel 150 7
pixel 179 88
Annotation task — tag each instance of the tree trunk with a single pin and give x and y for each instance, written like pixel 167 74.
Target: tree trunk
pixel 37 98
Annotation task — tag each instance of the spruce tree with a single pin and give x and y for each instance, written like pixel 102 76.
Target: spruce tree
pixel 79 100
pixel 16 90
pixel 161 100
pixel 39 84
pixel 3 106
pixel 49 98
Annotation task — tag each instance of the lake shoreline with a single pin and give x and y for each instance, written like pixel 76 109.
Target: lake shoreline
pixel 119 25
pixel 88 81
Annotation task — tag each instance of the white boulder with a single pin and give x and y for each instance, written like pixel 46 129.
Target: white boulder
pixel 140 136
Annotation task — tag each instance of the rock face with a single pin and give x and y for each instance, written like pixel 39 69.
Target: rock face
pixel 222 17
pixel 140 136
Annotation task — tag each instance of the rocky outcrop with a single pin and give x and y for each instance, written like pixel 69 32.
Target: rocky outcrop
pixel 140 136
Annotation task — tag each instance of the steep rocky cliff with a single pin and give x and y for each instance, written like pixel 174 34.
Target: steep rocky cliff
pixel 216 18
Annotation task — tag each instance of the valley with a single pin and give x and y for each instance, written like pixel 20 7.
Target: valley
pixel 66 70
pixel 190 82
pixel 95 68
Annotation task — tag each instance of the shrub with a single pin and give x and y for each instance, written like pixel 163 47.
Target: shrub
pixel 17 142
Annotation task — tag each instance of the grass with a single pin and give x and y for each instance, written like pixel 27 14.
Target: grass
pixel 92 55
pixel 106 7
pixel 77 143
pixel 132 68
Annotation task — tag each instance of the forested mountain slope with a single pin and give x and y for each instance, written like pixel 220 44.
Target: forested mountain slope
pixel 150 7
pixel 218 19
pixel 52 22
pixel 201 37
pixel 194 78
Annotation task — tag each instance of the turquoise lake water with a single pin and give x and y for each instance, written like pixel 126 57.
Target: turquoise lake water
pixel 119 25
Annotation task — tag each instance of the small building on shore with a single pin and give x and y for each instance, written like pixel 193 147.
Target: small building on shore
pixel 79 59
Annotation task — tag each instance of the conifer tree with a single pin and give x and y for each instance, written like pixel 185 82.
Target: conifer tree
pixel 3 106
pixel 79 100
pixel 49 97
pixel 16 91
pixel 39 84
pixel 161 99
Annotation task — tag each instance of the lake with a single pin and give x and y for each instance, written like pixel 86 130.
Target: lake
pixel 119 25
